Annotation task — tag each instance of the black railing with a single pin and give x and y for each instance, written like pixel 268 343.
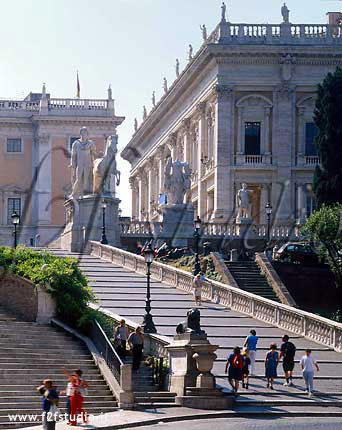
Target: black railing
pixel 158 373
pixel 106 349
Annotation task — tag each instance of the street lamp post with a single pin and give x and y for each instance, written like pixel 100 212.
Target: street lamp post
pixel 15 222
pixel 148 323
pixel 198 223
pixel 104 240
pixel 268 209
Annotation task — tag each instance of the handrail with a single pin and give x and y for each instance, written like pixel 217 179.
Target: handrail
pixel 318 329
pixel 103 344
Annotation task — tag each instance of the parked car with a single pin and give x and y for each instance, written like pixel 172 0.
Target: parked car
pixel 297 252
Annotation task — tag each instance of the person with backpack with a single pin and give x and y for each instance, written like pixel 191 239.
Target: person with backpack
pixel 287 353
pixel 235 362
pixel 251 344
pixel 271 363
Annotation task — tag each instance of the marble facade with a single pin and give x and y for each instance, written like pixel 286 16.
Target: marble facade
pixel 243 75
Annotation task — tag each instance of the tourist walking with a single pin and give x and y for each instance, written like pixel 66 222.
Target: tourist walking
pixel 287 353
pixel 251 344
pixel 234 367
pixel 136 340
pixel 271 363
pixel 197 286
pixel 78 392
pixel 308 364
pixel 121 336
pixel 50 400
pixel 245 369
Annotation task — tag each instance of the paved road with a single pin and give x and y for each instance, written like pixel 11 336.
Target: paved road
pixel 253 424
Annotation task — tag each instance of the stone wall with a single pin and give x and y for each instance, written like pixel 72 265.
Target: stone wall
pixel 19 296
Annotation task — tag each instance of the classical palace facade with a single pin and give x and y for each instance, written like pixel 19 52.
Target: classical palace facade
pixel 36 135
pixel 240 112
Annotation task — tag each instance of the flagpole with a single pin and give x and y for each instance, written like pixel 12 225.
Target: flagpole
pixel 78 88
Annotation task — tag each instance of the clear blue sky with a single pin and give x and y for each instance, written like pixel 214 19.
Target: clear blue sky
pixel 131 44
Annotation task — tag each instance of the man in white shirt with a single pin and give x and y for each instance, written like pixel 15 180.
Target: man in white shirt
pixel 308 364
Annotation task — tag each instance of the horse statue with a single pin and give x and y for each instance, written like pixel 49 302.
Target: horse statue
pixel 105 166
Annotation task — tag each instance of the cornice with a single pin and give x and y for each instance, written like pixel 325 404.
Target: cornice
pixel 117 120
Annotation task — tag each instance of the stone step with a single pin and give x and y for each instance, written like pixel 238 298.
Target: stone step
pixel 77 362
pixel 58 379
pixel 147 405
pixel 31 405
pixel 34 347
pixel 36 372
pixel 15 353
pixel 153 399
pixel 34 398
pixel 31 391
pixel 31 387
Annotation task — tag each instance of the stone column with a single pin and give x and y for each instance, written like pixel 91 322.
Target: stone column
pixel 301 203
pixel 149 174
pixel 145 194
pixel 285 121
pixel 161 166
pixel 141 197
pixel 187 139
pixel 301 137
pixel 41 207
pixel 224 154
pixel 135 197
pixel 241 132
pixel 201 186
pixel 267 144
pixel 263 201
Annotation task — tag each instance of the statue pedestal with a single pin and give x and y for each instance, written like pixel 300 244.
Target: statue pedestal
pixel 84 222
pixel 178 224
pixel 191 360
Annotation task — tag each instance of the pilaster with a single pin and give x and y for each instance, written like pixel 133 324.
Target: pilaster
pixel 224 144
pixel 201 189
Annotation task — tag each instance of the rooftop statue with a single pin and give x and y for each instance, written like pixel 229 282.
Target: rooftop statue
pixel 135 125
pixel 191 50
pixel 165 85
pixel 83 154
pixel 154 99
pixel 144 113
pixel 223 11
pixel 204 32
pixel 176 181
pixel 177 67
pixel 285 14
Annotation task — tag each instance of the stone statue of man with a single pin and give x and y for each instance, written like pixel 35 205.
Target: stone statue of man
pixel 204 32
pixel 83 154
pixel 243 203
pixel 286 14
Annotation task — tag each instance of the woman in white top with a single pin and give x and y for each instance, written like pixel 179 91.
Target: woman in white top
pixel 308 364
pixel 121 336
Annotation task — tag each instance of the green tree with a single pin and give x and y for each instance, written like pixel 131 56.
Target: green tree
pixel 327 184
pixel 324 228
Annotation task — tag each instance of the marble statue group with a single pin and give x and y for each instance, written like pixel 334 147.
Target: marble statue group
pixel 177 181
pixel 91 172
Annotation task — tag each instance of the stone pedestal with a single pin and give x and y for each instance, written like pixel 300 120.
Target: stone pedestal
pixel 178 224
pixel 84 222
pixel 191 360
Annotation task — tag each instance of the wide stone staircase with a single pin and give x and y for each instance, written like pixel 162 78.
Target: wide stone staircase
pixel 123 292
pixel 30 353
pixel 248 277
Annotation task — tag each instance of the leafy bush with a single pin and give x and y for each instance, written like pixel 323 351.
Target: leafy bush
pixel 63 278
pixel 187 263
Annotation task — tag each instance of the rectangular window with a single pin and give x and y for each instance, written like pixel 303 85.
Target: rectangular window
pixel 252 138
pixel 311 132
pixel 14 145
pixel 13 205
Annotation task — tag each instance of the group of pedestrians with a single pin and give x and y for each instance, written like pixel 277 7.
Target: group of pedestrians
pixel 135 340
pixel 76 390
pixel 240 364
